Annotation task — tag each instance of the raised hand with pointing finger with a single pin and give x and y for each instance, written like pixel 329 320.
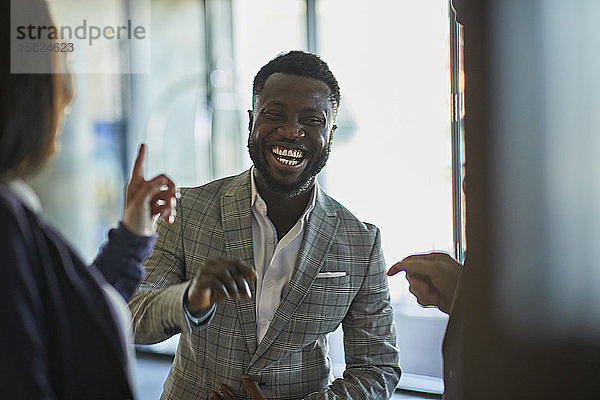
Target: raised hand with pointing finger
pixel 146 201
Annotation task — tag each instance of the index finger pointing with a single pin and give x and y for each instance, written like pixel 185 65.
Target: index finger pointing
pixel 418 264
pixel 138 166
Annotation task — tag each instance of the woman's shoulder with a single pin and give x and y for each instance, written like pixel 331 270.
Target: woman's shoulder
pixel 21 228
pixel 13 212
pixel 18 228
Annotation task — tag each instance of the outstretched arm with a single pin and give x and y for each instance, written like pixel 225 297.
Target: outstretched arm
pixel 120 260
pixel 432 278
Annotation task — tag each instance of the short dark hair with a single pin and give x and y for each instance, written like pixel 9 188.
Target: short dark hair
pixel 27 129
pixel 302 64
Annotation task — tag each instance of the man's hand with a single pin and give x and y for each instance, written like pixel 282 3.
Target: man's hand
pixel 431 277
pixel 146 201
pixel 251 387
pixel 220 279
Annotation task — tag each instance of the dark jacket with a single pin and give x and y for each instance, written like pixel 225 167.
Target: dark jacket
pixel 452 347
pixel 59 336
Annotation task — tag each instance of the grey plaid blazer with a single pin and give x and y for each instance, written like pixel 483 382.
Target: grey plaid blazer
pixel 291 362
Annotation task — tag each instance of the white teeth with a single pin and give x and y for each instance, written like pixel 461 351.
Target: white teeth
pixel 288 153
pixel 287 162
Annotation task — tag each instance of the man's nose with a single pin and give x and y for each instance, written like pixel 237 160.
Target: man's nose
pixel 291 130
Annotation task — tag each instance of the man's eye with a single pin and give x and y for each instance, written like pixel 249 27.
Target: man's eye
pixel 273 115
pixel 314 121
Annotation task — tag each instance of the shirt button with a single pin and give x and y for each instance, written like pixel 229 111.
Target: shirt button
pixel 263 324
pixel 270 241
pixel 269 284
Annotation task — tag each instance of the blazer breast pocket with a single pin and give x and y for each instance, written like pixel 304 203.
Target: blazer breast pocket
pixel 332 278
pixel 334 284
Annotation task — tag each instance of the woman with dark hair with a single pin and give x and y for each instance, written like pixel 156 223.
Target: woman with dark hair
pixel 64 325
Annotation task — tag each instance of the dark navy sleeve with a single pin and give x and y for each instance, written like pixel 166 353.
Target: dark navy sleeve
pixel 120 259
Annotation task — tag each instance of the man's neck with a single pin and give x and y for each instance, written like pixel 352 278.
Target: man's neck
pixel 283 211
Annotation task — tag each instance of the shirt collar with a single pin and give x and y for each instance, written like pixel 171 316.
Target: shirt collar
pixel 257 198
pixel 26 194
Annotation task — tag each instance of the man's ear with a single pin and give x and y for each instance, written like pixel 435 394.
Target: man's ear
pixel 250 120
pixel 333 128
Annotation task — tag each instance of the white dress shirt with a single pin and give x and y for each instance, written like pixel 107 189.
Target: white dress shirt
pixel 274 260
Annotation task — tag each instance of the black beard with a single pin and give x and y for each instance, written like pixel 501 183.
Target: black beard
pixel 303 182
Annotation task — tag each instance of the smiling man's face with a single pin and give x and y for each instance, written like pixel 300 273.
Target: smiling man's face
pixel 290 130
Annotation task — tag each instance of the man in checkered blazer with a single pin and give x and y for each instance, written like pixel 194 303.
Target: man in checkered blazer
pixel 259 268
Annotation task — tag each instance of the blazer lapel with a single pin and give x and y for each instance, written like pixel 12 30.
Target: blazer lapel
pixel 236 217
pixel 318 236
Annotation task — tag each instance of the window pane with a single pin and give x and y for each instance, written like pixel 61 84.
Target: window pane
pixel 87 176
pixel 263 29
pixel 169 109
pixel 391 163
